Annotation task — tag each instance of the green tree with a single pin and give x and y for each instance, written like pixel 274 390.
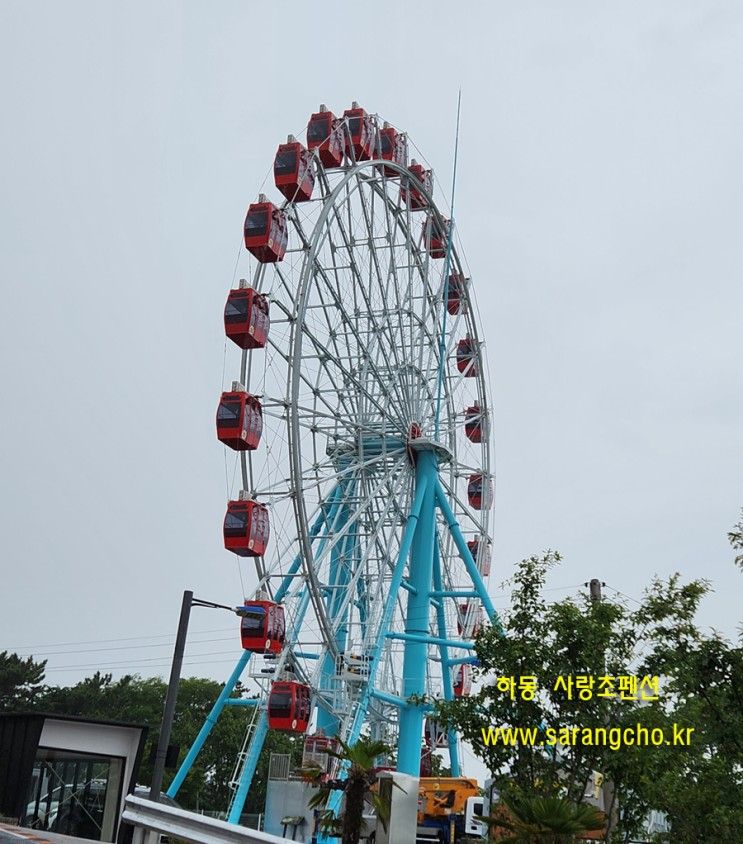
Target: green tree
pixel 361 759
pixel 21 681
pixel 544 820
pixel 735 536
pixel 140 700
pixel 701 687
pixel 701 792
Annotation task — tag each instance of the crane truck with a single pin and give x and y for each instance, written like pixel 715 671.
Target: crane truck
pixel 450 811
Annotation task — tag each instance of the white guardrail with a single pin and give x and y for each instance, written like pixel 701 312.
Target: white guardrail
pixel 189 826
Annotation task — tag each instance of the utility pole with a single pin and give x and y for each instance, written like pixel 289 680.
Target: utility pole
pixel 170 700
pixel 175 678
pixel 595 590
pixel 609 797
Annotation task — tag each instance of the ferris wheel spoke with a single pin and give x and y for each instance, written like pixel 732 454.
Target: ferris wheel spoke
pixel 373 547
pixel 359 512
pixel 349 242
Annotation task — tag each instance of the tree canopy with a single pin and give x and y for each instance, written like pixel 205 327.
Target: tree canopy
pixel 597 643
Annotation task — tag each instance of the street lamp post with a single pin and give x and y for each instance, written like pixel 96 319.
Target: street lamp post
pixel 172 695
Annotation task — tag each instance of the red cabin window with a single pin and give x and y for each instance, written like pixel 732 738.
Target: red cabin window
pixel 476 618
pixel 392 147
pixel 480 492
pixel 434 733
pixel 289 707
pixel 436 239
pixel 246 320
pixel 266 231
pixel 292 171
pixel 325 133
pixel 462 680
pixel 467 362
pixel 246 528
pixel 239 420
pixel 456 302
pixel 360 137
pixel 481 552
pixel 476 424
pixel 262 627
pixel 409 190
pixel 316 753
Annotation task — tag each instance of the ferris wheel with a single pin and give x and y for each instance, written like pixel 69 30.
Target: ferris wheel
pixel 358 435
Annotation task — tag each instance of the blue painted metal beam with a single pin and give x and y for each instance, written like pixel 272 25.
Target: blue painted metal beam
pixel 334 801
pixel 466 555
pixel 242 701
pixel 249 766
pixel 417 621
pixel 444 593
pixel 211 720
pixel 432 640
pixel 445 661
pixel 465 660
pixel 393 700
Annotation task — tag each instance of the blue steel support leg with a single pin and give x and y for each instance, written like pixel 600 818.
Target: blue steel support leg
pixel 249 766
pixel 466 555
pixel 327 722
pixel 259 733
pixel 334 800
pixel 417 622
pixel 211 720
pixel 261 727
pixel 220 703
pixel 445 664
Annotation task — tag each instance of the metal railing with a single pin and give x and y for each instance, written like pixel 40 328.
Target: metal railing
pixel 188 826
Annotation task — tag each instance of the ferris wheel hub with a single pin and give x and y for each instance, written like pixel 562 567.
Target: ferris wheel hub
pixel 442 452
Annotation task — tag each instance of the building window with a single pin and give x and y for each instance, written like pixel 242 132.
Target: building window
pixel 74 794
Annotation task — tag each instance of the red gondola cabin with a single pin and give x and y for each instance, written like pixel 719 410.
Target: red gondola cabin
pixel 246 528
pixel 246 320
pixel 325 133
pixel 467 362
pixel 316 753
pixel 292 170
pixel 462 680
pixel 481 555
pixel 456 302
pixel 475 424
pixel 436 239
pixel 360 137
pixel 289 706
pixel 476 619
pixel 239 420
pixel 262 627
pixel 409 188
pixel 480 492
pixel 392 147
pixel 266 231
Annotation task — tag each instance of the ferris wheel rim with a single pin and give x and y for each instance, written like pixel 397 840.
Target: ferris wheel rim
pixel 306 279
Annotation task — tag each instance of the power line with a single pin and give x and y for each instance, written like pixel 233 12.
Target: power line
pixel 624 595
pixel 135 662
pixel 156 666
pixel 125 647
pixel 170 636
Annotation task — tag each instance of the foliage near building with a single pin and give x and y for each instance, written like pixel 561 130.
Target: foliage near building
pixel 140 700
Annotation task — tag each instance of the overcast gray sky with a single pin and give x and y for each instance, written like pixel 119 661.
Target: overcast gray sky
pixel 599 203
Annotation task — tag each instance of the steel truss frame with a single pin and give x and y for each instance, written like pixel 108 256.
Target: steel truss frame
pixel 365 305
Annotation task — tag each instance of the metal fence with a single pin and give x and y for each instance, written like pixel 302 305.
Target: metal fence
pixel 189 826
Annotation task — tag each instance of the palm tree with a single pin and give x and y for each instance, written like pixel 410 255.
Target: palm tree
pixel 360 762
pixel 544 820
